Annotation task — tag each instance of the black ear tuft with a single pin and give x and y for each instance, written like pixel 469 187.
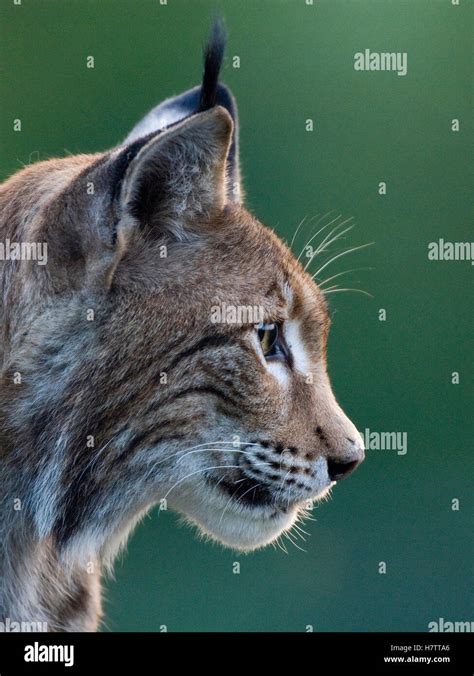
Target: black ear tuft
pixel 204 97
pixel 213 56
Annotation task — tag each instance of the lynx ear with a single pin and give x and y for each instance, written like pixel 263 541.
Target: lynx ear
pixel 177 108
pixel 204 97
pixel 179 176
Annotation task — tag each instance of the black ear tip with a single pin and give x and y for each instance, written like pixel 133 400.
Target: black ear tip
pixel 218 32
pixel 213 57
pixel 217 38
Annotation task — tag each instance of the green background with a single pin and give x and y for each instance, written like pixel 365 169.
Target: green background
pixel 393 375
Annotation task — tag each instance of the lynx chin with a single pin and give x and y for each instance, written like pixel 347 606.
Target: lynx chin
pixel 243 431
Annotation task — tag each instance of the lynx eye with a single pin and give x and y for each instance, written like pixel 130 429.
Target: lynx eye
pixel 272 342
pixel 268 337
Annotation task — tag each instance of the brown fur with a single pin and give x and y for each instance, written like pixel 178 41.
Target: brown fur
pixel 103 378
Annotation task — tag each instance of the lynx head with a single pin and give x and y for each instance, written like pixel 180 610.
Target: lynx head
pixel 172 349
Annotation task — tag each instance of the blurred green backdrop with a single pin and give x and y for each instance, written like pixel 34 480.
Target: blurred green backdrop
pixel 296 63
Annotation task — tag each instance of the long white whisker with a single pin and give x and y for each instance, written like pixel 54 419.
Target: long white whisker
pixel 329 234
pixel 283 483
pixel 228 503
pixel 329 239
pixel 281 545
pixel 232 496
pixel 365 293
pixel 296 231
pixel 325 243
pixel 319 231
pixel 208 448
pixel 300 531
pixel 212 448
pixel 324 246
pixel 203 469
pixel 252 488
pixel 290 538
pixel 343 253
pixel 204 447
pixel 339 274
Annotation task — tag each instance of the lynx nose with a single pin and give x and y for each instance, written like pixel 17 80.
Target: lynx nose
pixel 341 467
pixel 339 470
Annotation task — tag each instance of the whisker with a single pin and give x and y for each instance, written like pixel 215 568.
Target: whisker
pixel 343 253
pixel 202 447
pixel 283 482
pixel 331 290
pixel 228 450
pixel 228 503
pixel 327 241
pixel 279 542
pixel 296 231
pixel 326 244
pixel 290 538
pixel 339 274
pixel 203 469
pixel 329 234
pixel 319 231
pixel 301 531
pixel 252 488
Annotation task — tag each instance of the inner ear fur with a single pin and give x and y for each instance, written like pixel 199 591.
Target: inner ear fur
pixel 178 179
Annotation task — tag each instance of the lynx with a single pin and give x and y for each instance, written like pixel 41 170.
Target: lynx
pixel 118 390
